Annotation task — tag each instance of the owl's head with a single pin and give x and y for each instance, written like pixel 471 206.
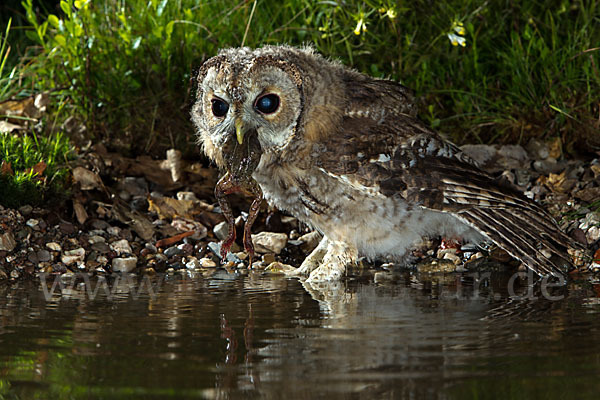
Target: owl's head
pixel 243 92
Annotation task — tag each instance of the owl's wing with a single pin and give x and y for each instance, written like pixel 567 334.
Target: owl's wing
pixel 401 157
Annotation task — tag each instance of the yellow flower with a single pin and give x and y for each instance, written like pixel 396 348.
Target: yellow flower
pixel 361 27
pixel 457 40
pixel 389 12
pixel 456 34
pixel 458 28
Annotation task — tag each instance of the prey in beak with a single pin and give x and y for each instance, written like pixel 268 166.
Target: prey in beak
pixel 242 153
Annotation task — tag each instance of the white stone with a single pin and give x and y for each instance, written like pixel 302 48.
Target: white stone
pixel 207 263
pixel 121 247
pixel 593 234
pixel 32 223
pixel 96 239
pixel 124 264
pixel 73 256
pixel 7 241
pixel 53 246
pixel 193 263
pixel 269 242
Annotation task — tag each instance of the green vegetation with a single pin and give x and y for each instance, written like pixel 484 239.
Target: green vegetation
pixel 33 168
pixel 500 71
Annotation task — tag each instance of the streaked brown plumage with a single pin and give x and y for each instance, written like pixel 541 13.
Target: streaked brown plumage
pixel 345 153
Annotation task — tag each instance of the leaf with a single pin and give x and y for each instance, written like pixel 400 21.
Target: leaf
pixel 80 212
pixel 65 7
pixel 169 208
pixel 53 19
pixel 37 170
pixel 60 40
pixel 6 169
pixel 87 179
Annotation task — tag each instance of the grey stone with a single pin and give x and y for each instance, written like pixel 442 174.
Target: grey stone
pixel 124 264
pixel 537 149
pixel 173 251
pixel 221 230
pixel 7 241
pixel 25 210
pixel 44 255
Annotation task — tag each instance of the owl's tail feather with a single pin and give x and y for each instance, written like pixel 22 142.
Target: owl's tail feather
pixel 526 234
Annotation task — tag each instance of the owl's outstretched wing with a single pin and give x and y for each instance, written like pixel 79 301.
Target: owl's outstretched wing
pixel 401 157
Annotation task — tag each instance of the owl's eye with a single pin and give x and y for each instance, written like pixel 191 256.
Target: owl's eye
pixel 219 107
pixel 267 104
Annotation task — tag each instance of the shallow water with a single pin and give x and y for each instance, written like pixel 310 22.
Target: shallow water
pixel 228 335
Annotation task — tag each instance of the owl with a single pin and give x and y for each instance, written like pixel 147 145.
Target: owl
pixel 345 153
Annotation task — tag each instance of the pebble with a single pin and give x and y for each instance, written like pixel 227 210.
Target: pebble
pixel 100 225
pixel 278 268
pixel 593 234
pixel 73 256
pixel 441 253
pixel 152 248
pixel 173 251
pixel 125 264
pixel 100 247
pixel 96 239
pixel 53 246
pixel 269 242
pixel 33 223
pixel 43 255
pixel 25 210
pixel 221 230
pixel 538 149
pixel 113 230
pixel 207 263
pixel 268 258
pixel 7 241
pixel 193 263
pixel 452 257
pixel 121 247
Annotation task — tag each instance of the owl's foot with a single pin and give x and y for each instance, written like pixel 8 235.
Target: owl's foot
pixel 314 259
pixel 338 256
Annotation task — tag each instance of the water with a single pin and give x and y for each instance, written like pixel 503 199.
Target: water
pixel 225 335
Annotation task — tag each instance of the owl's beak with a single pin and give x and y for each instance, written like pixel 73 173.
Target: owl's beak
pixel 239 130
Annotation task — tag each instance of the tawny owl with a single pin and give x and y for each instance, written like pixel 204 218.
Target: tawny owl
pixel 344 153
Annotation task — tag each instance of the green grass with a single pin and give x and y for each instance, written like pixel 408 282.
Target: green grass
pixel 24 185
pixel 527 69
